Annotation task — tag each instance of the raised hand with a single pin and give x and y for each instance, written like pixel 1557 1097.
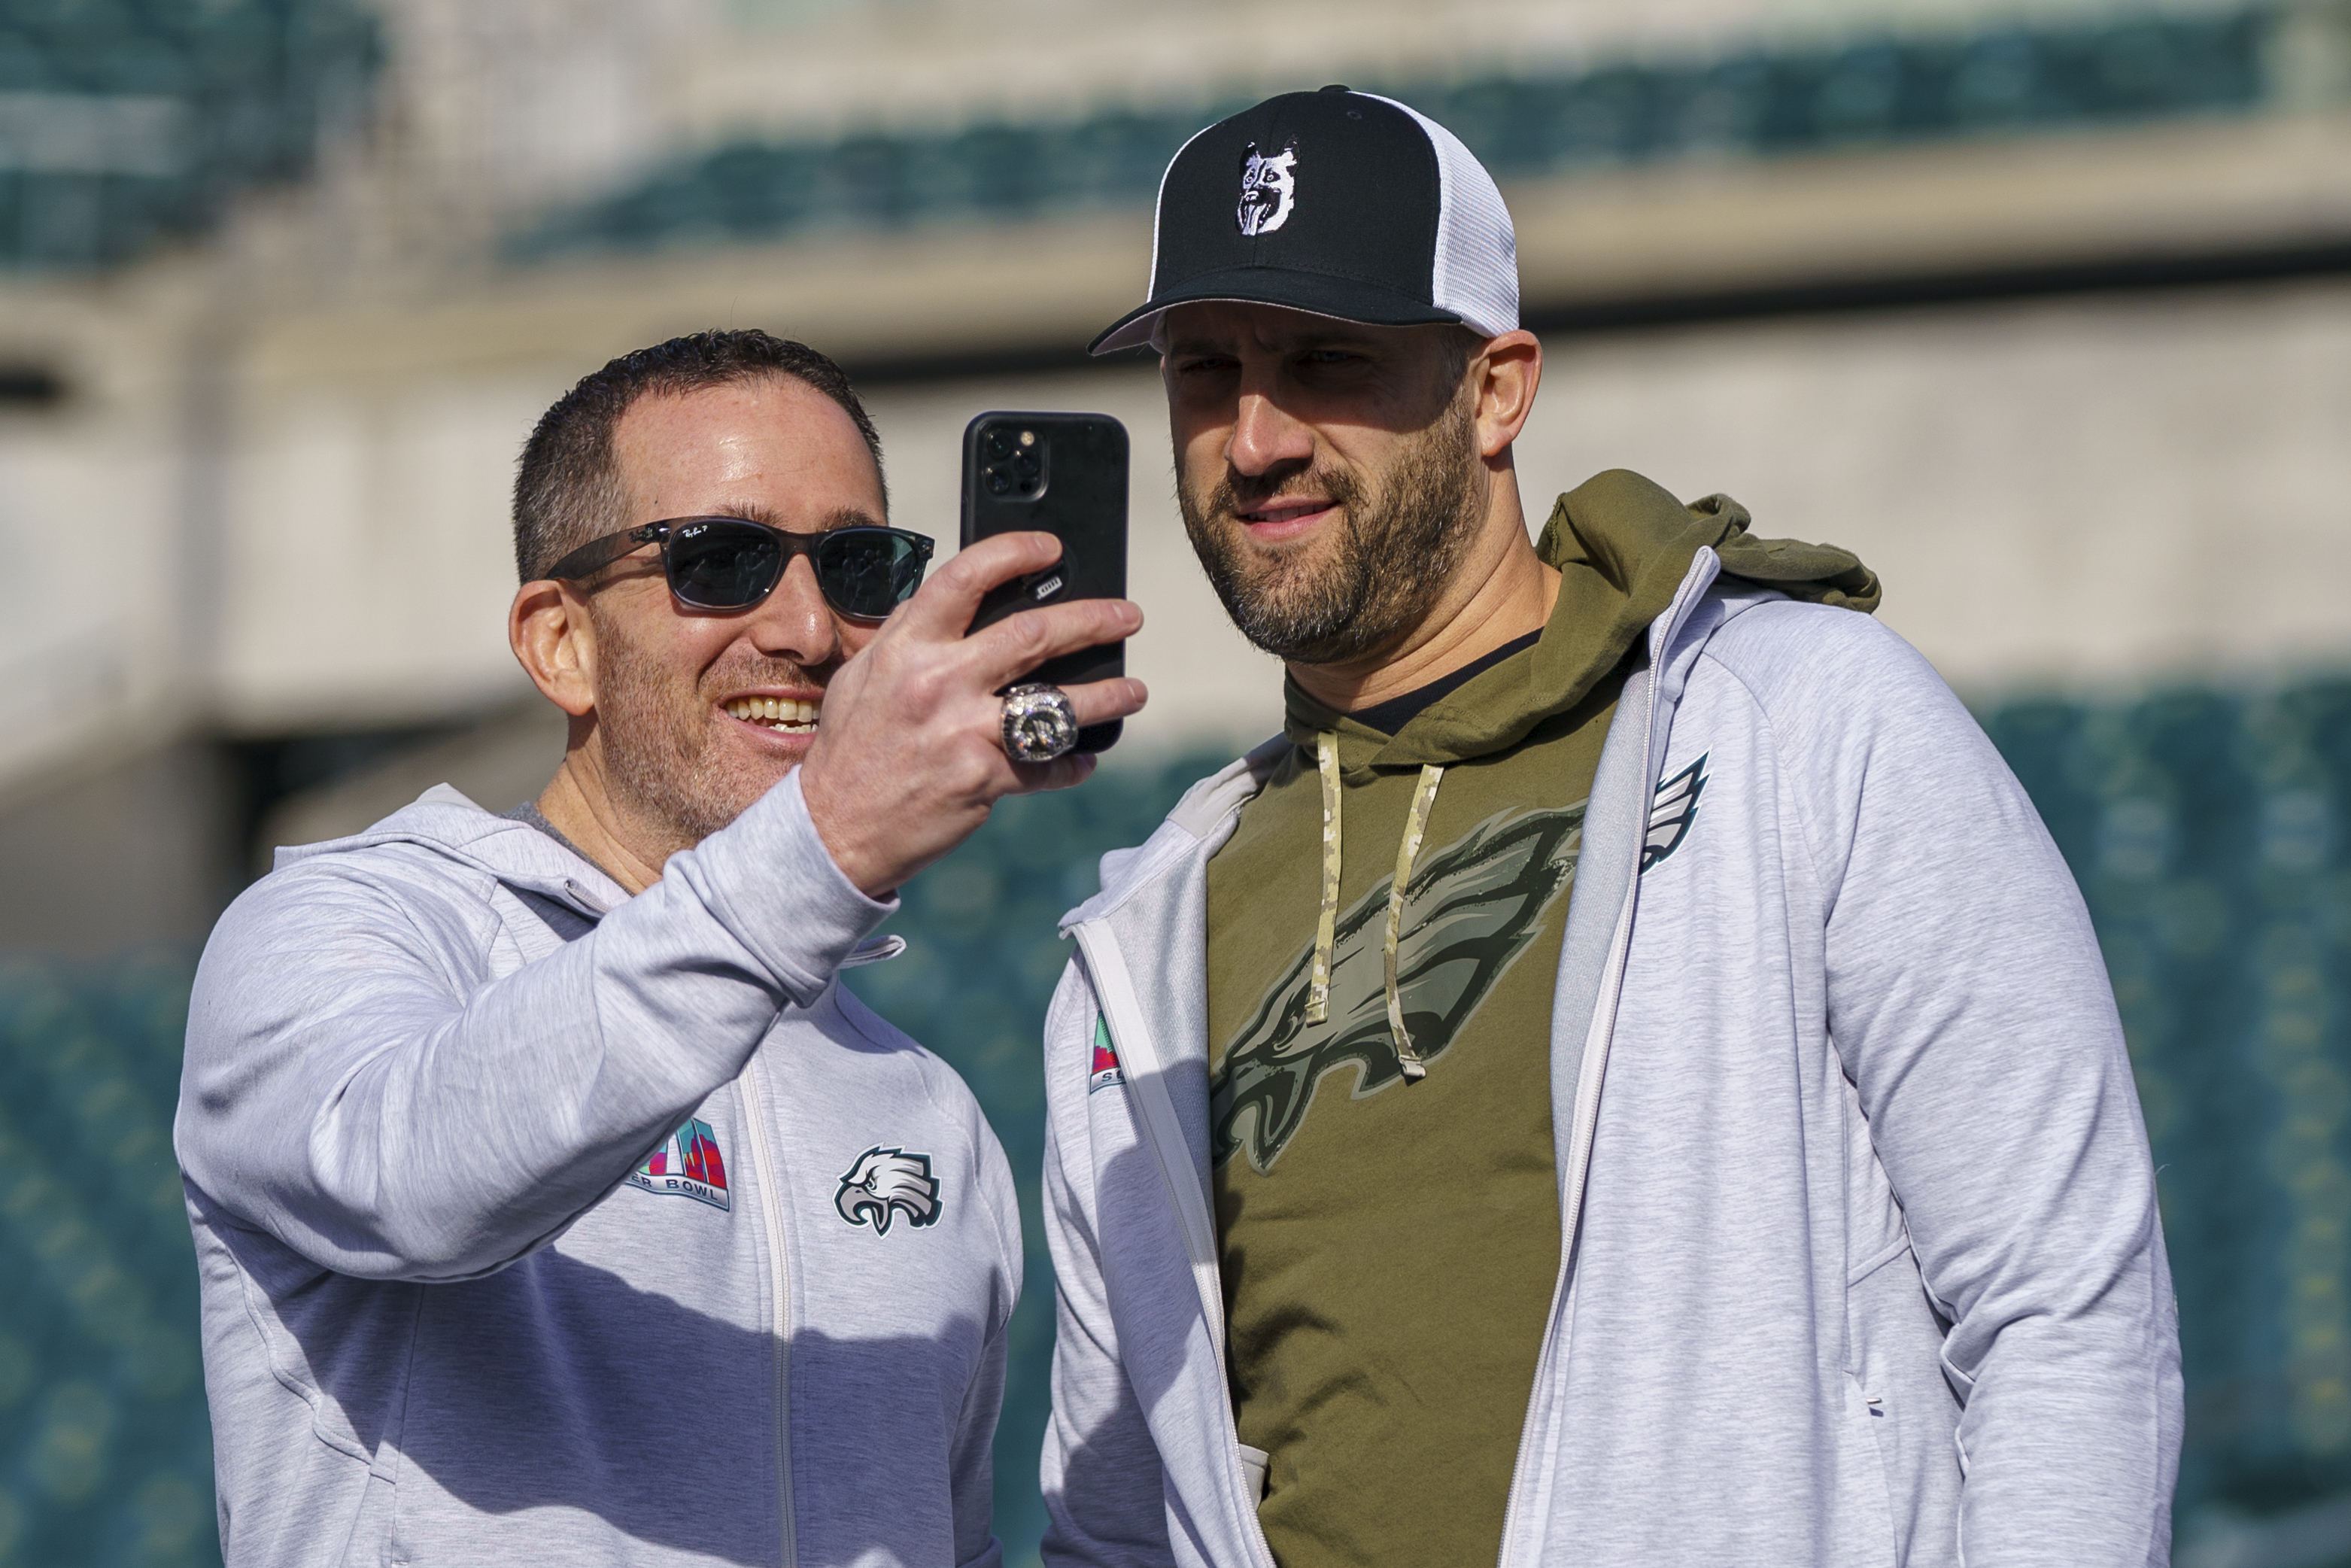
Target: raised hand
pixel 909 756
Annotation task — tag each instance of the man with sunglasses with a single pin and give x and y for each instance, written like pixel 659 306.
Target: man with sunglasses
pixel 553 1202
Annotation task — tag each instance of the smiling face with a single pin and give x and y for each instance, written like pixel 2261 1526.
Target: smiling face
pixel 1329 474
pixel 698 713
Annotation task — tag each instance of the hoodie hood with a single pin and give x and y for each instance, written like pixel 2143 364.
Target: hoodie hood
pixel 444 821
pixel 1622 545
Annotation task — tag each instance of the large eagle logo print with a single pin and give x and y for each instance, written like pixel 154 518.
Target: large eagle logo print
pixel 1469 912
pixel 1469 915
pixel 882 1183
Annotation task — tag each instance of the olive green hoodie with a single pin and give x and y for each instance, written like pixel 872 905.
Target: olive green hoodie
pixel 1387 1210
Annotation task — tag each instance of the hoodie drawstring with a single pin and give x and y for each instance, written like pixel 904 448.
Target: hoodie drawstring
pixel 1326 925
pixel 1424 796
pixel 1415 826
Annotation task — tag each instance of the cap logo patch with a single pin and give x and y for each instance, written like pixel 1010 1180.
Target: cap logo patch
pixel 1269 189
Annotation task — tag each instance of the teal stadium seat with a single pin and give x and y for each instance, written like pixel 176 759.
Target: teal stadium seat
pixel 250 81
pixel 105 1448
pixel 1767 102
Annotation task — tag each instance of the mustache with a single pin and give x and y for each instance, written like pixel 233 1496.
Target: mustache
pixel 1237 493
pixel 734 675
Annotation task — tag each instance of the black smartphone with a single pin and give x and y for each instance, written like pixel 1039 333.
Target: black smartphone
pixel 1065 475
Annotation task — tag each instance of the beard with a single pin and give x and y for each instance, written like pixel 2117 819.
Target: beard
pixel 1368 587
pixel 659 734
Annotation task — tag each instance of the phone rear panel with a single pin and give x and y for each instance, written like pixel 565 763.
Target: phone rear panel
pixel 1062 473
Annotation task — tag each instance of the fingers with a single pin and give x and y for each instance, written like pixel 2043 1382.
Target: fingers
pixel 1063 772
pixel 1098 702
pixel 944 606
pixel 1017 645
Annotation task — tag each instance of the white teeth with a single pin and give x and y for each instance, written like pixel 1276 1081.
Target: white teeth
pixel 774 713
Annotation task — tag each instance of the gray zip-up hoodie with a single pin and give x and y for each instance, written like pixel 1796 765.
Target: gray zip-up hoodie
pixel 1861 1261
pixel 648 1246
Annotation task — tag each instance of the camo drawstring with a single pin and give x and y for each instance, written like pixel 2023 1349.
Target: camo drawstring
pixel 1424 796
pixel 1326 925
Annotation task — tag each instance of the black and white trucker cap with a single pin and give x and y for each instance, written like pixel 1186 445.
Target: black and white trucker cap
pixel 1338 203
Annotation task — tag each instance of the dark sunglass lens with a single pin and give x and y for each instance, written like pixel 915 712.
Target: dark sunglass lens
pixel 868 572
pixel 723 566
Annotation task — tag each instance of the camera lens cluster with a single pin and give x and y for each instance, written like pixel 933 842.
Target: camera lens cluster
pixel 1013 461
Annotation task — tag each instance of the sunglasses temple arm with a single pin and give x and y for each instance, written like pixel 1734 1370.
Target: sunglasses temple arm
pixel 597 554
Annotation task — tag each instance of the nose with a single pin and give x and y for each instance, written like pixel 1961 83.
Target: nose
pixel 794 622
pixel 1266 437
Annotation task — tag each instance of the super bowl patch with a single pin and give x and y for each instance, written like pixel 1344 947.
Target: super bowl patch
pixel 1105 1071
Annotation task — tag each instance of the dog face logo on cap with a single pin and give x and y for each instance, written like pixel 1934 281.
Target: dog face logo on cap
pixel 1269 189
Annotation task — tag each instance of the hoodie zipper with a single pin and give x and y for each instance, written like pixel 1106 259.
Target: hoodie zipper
pixel 1163 1133
pixel 779 1285
pixel 1599 1035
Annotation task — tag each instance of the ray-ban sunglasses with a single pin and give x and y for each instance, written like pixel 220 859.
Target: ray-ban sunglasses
pixel 733 563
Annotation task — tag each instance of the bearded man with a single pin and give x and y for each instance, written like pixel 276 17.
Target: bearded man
pixel 1624 1078
pixel 553 1200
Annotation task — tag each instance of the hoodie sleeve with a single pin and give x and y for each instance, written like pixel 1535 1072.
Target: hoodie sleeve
pixel 1969 1001
pixel 358 1086
pixel 1106 1502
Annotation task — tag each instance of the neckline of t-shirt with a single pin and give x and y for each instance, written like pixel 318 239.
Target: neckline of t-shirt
pixel 1390 717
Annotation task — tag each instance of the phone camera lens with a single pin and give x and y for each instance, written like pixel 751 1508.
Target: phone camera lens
pixel 998 442
pixel 999 481
pixel 1025 465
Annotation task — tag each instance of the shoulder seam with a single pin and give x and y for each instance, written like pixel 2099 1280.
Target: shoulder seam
pixel 1763 713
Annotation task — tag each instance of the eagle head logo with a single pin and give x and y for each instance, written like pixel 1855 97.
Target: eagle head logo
pixel 1269 189
pixel 885 1181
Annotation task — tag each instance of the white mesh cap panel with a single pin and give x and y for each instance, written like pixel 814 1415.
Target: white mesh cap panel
pixel 1476 275
pixel 1158 212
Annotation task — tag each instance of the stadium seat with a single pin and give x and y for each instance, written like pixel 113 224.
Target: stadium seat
pixel 1769 102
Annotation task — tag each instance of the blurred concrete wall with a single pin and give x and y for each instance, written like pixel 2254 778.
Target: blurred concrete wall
pixel 269 508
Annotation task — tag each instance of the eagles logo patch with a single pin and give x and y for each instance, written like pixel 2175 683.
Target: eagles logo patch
pixel 1675 810
pixel 882 1184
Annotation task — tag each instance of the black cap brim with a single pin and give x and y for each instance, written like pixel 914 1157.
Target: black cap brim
pixel 1316 293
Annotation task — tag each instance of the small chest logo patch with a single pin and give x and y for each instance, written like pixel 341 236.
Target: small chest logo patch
pixel 1676 810
pixel 687 1165
pixel 1106 1070
pixel 882 1183
pixel 1269 189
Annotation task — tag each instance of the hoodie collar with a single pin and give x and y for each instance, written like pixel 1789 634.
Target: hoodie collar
pixel 518 854
pixel 1622 545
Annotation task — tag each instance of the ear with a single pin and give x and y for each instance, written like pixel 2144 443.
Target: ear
pixel 553 640
pixel 1505 374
